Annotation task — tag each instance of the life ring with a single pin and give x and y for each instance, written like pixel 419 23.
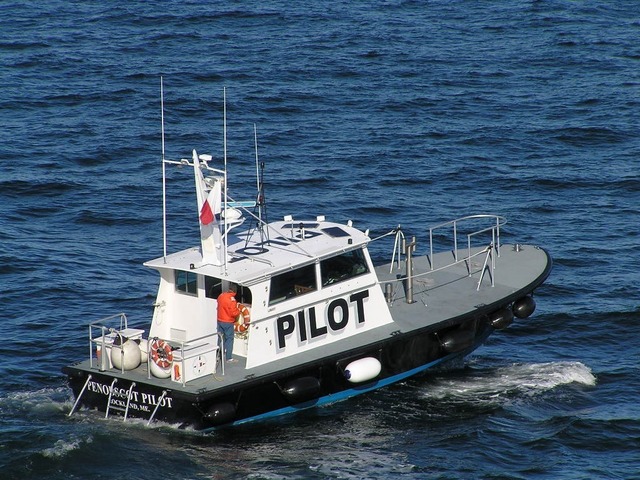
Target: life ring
pixel 161 353
pixel 242 325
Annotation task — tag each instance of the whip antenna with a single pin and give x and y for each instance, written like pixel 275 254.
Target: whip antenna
pixel 164 181
pixel 224 142
pixel 260 201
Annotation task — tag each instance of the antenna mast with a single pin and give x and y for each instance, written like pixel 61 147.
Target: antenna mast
pixel 224 123
pixel 260 201
pixel 164 181
pixel 255 143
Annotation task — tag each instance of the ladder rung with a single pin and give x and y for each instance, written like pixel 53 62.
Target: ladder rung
pixel 118 408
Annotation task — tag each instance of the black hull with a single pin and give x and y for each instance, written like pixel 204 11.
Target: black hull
pixel 314 384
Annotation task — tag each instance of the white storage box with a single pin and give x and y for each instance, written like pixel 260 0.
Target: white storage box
pixel 194 361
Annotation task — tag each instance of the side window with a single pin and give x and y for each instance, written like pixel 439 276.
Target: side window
pixel 293 283
pixel 342 267
pixel 244 295
pixel 186 282
pixel 212 287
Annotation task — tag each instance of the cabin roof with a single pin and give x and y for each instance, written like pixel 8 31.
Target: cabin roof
pixel 252 258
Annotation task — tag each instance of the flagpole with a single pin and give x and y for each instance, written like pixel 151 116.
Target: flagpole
pixel 164 182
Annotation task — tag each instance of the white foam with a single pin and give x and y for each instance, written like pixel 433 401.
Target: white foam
pixel 63 447
pixel 45 401
pixel 523 379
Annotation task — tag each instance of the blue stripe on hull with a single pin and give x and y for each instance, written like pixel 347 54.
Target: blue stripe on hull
pixel 352 392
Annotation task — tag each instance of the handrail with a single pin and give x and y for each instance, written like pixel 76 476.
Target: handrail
pixel 101 324
pixel 400 244
pixel 118 328
pixel 439 269
pixel 495 229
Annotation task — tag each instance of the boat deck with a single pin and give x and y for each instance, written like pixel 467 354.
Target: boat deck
pixel 441 295
pixel 451 292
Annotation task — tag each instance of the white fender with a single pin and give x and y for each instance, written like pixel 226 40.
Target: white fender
pixel 363 370
pixel 158 371
pixel 126 356
pixel 144 348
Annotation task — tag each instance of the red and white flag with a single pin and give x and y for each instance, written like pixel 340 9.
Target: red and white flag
pixel 211 206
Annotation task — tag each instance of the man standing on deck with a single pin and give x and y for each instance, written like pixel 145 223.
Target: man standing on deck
pixel 228 311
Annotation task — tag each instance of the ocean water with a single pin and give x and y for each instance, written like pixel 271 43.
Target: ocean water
pixel 385 113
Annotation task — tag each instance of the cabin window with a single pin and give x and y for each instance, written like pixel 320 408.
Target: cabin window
pixel 215 286
pixel 292 284
pixel 212 287
pixel 343 267
pixel 244 295
pixel 186 282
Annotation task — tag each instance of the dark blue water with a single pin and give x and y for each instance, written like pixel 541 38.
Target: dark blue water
pixel 388 113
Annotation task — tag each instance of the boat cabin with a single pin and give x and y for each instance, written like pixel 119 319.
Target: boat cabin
pixel 309 284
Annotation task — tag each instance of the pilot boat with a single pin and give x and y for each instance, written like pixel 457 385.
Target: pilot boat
pixel 320 322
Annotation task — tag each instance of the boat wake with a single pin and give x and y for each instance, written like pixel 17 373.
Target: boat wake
pixel 61 448
pixel 493 385
pixel 37 403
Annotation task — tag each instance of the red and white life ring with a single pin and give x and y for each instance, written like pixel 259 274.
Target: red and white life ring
pixel 161 353
pixel 242 325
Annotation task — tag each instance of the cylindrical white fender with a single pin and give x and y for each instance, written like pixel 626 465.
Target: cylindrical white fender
pixel 158 371
pixel 363 370
pixel 126 356
pixel 144 349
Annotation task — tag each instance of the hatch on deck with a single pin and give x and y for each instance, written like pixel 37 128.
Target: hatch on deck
pixel 335 232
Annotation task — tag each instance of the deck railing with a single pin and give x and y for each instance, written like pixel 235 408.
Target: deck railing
pixel 185 345
pixel 472 227
pixel 117 326
pixel 494 223
pixel 106 325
